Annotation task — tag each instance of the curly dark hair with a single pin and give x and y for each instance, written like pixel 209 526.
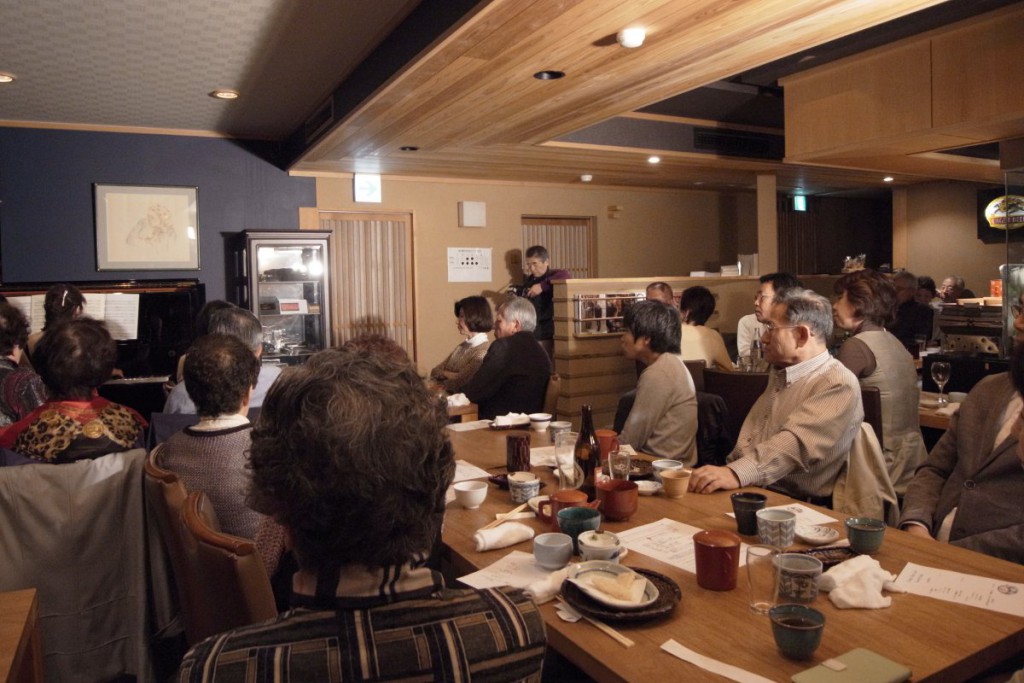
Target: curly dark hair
pixel 61 303
pixel 13 329
pixel 476 310
pixel 872 294
pixel 74 358
pixel 350 454
pixel 657 321
pixel 698 303
pixel 219 371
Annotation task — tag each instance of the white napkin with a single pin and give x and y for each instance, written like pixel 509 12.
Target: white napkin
pixel 948 410
pixel 457 401
pixel 858 583
pixel 502 536
pixel 546 589
pixel 511 419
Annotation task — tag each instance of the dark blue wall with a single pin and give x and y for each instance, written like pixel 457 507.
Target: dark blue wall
pixel 47 229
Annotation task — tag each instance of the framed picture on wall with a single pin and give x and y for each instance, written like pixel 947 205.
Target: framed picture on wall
pixel 146 227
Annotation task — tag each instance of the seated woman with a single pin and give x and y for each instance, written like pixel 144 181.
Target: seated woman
pixel 663 418
pixel 74 359
pixel 473 316
pixel 21 390
pixel 866 303
pixel 63 302
pixel 697 341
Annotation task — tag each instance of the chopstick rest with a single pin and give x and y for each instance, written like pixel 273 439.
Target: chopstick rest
pixel 502 536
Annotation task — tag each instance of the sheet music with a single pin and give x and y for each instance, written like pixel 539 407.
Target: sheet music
pixel 121 314
pixel 95 306
pixel 24 304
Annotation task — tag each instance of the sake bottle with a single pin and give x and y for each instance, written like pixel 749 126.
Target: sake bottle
pixel 587 452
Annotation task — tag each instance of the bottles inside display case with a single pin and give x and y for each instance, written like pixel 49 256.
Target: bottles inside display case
pixel 284 279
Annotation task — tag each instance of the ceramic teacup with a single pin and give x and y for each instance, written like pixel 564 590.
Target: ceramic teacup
pixel 659 466
pixel 865 534
pixel 776 527
pixel 574 521
pixel 675 482
pixel 470 494
pixel 798 577
pixel 797 629
pixel 619 498
pixel 547 510
pixel 523 486
pixel 552 551
pixel 599 545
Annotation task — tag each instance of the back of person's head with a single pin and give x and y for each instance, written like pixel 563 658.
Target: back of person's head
pixel 661 291
pixel 239 323
pixel 871 294
pixel 378 344
pixel 476 311
pixel 904 279
pixel 61 303
pixel 657 321
pixel 781 281
pixel 927 282
pixel 13 329
pixel 698 304
pixel 806 307
pixel 219 371
pixel 350 454
pixel 207 311
pixel 75 358
pixel 539 252
pixel 519 309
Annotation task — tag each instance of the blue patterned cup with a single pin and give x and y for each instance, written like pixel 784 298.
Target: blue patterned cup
pixel 776 527
pixel 798 577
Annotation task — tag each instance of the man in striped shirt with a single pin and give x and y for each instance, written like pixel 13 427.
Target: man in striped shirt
pixel 351 458
pixel 798 434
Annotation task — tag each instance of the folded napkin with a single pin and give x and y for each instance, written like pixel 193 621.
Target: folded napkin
pixel 948 410
pixel 502 536
pixel 858 583
pixel 511 419
pixel 546 589
pixel 457 401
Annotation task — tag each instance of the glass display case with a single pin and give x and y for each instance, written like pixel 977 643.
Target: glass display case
pixel 284 278
pixel 596 315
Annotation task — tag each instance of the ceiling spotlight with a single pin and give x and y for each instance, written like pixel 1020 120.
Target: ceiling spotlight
pixel 549 75
pixel 887 179
pixel 631 37
pixel 6 78
pixel 408 148
pixel 224 94
pixel 586 177
pixel 654 160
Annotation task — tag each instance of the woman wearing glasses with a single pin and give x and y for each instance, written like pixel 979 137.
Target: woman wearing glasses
pixel 865 305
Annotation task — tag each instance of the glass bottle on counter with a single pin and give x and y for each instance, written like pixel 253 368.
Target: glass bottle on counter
pixel 587 452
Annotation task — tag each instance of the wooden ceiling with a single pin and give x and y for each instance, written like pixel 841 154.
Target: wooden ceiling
pixel 472 107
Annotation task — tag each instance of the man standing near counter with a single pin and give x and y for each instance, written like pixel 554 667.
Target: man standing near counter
pixel 540 294
pixel 751 326
pixel 798 434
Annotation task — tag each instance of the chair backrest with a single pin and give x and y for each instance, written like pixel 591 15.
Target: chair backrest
pixel 696 368
pixel 165 497
pixel 551 395
pixel 871 397
pixel 226 582
pixel 739 390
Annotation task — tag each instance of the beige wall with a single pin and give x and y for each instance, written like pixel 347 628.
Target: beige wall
pixel 656 233
pixel 942 235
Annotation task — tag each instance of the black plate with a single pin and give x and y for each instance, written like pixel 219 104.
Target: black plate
pixel 669 596
pixel 640 469
pixel 501 481
pixel 829 557
pixel 524 426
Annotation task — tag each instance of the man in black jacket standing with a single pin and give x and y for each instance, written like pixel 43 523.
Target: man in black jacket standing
pixel 538 290
pixel 514 375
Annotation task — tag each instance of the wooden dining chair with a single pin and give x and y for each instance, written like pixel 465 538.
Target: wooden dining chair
pixel 165 498
pixel 226 584
pixel 551 395
pixel 871 397
pixel 739 390
pixel 696 368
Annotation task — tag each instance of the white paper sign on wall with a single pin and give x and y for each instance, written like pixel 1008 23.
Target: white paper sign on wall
pixel 469 264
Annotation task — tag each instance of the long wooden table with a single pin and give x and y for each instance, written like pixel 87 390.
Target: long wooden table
pixel 930 417
pixel 939 641
pixel 21 651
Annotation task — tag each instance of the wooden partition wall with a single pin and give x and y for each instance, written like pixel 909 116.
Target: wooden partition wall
pixel 593 369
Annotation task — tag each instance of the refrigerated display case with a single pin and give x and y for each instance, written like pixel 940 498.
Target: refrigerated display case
pixel 284 278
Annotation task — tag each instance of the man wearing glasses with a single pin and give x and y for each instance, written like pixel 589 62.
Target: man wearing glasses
pixel 751 326
pixel 538 291
pixel 797 435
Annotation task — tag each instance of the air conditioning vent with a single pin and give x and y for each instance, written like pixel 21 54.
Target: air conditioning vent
pixel 318 121
pixel 735 143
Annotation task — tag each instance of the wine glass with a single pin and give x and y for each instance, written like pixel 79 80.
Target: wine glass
pixel 940 373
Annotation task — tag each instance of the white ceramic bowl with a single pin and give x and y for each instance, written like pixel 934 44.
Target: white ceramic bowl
pixel 647 487
pixel 666 464
pixel 540 421
pixel 470 494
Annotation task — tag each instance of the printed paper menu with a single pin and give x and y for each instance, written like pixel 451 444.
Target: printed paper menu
pixel 966 589
pixel 669 541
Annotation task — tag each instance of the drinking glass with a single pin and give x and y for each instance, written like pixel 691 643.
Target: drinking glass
pixel 565 461
pixel 940 373
pixel 618 463
pixel 762 577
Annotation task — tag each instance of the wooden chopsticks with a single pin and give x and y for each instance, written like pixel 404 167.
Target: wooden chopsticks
pixel 601 626
pixel 505 517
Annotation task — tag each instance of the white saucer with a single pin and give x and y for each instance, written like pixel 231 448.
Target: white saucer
pixel 647 487
pixel 929 403
pixel 816 535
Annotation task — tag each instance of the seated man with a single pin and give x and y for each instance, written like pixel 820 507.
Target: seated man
pixel 969 490
pixel 798 434
pixel 661 291
pixel 751 326
pixel 913 319
pixel 516 370
pixel 243 325
pixel 220 372
pixel 351 457
pixel 952 288
pixel 663 418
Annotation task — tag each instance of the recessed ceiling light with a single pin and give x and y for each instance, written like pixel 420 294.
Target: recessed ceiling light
pixel 586 177
pixel 631 37
pixel 224 94
pixel 549 75
pixel 654 160
pixel 887 179
pixel 408 148
pixel 6 78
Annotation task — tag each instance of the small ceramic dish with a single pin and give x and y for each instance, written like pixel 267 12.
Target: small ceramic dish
pixel 648 487
pixel 535 502
pixel 929 403
pixel 817 535
pixel 582 574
